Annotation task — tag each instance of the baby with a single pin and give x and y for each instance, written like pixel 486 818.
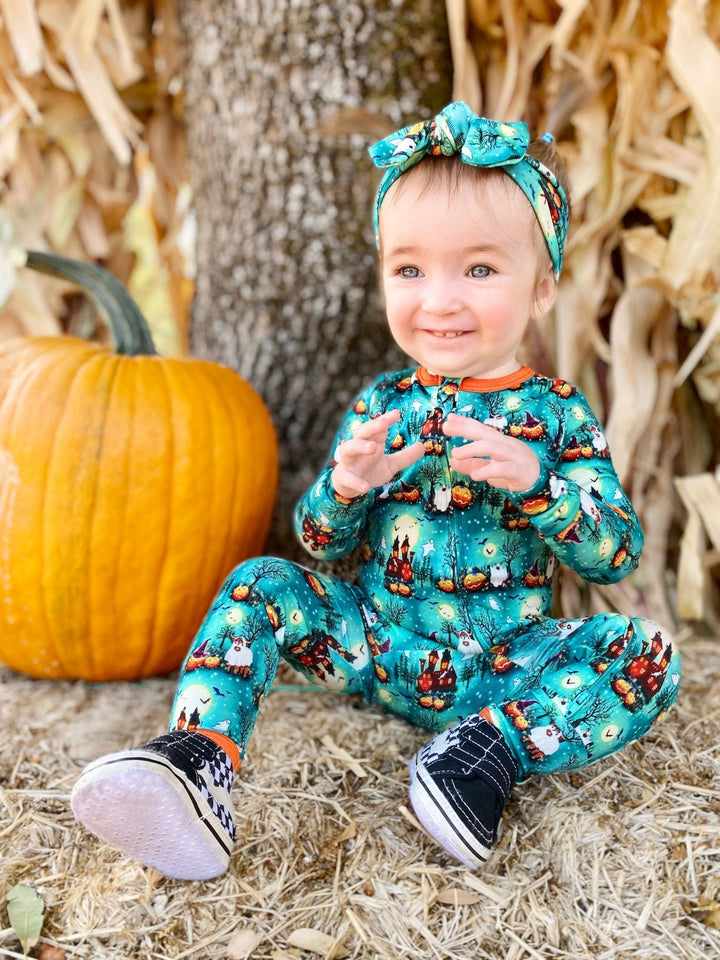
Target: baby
pixel 465 480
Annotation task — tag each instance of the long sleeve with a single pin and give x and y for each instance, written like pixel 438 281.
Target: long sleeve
pixel 577 504
pixel 327 525
pixel 330 526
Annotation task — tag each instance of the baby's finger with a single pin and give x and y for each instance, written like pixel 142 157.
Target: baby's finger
pixel 377 426
pixel 455 425
pixel 404 458
pixel 477 449
pixel 354 449
pixel 347 483
pixel 468 467
pixel 486 469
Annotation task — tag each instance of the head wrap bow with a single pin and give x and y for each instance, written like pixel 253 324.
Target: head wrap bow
pixel 480 143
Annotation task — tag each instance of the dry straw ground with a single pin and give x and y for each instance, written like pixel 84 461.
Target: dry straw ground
pixel 618 862
pixel 92 159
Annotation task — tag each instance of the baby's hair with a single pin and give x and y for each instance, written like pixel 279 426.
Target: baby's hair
pixel 544 151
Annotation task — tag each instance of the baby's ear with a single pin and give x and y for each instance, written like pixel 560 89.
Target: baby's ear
pixel 545 293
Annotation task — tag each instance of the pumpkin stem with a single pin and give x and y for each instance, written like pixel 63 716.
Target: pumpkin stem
pixel 129 328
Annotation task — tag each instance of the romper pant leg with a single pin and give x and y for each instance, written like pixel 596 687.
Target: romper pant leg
pixel 270 608
pixel 564 693
pixel 577 691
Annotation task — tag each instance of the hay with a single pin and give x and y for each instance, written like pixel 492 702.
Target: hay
pixel 92 154
pixel 621 859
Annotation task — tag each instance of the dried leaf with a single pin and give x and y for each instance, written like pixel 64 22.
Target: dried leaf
pixel 712 917
pixel 343 756
pixel 466 82
pixel 48 952
pixel 634 373
pixel 149 282
pixel 25 912
pixel 243 943
pixel 457 897
pixel 348 833
pixel 84 24
pixel 11 256
pixel 694 62
pixel 119 127
pixel 316 942
pixel 691 573
pixel 645 243
pixel 23 97
pixel 126 69
pixel 22 25
pixel 700 348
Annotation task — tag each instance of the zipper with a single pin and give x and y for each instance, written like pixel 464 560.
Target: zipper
pixel 452 521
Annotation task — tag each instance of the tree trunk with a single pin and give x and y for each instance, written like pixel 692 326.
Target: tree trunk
pixel 283 97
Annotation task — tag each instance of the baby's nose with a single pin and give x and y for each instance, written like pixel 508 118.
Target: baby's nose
pixel 441 299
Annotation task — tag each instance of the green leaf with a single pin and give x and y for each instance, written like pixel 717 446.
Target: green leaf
pixel 25 910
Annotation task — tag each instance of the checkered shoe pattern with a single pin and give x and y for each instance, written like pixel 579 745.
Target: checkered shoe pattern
pixel 206 764
pixel 459 783
pixel 166 803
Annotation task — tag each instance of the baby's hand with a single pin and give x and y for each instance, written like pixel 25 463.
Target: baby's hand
pixel 501 461
pixel 362 462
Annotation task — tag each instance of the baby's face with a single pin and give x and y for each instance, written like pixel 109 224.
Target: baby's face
pixel 463 272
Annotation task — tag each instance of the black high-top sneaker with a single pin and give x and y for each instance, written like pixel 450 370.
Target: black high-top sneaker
pixel 166 803
pixel 459 783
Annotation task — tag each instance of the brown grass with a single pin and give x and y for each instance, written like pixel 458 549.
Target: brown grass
pixel 621 860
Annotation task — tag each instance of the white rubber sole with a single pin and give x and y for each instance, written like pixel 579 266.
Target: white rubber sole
pixel 140 804
pixel 441 822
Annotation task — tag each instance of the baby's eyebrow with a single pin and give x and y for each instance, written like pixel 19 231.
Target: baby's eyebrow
pixel 474 250
pixel 404 251
pixel 483 248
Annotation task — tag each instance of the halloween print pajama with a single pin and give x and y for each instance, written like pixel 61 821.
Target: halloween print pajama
pixel 452 613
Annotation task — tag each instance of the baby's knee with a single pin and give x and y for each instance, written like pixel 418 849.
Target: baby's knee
pixel 658 661
pixel 258 568
pixel 656 638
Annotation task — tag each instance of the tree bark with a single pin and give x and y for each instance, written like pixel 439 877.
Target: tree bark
pixel 283 97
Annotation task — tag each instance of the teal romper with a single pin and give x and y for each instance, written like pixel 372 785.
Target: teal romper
pixel 452 612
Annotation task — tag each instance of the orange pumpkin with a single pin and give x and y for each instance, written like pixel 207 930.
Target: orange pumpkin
pixel 130 485
pixel 462 495
pixel 474 580
pixel 535 505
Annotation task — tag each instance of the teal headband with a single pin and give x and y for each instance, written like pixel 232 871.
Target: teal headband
pixel 480 143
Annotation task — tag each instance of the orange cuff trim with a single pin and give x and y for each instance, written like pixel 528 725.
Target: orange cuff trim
pixel 225 743
pixel 486 714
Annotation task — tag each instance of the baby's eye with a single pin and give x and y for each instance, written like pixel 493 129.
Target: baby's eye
pixel 479 271
pixel 408 273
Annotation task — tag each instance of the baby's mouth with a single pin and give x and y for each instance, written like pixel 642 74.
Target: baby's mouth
pixel 447 334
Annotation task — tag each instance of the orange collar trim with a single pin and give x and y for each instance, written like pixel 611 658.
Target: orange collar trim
pixel 473 385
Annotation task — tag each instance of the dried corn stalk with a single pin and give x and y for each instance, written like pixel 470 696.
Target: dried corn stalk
pixel 629 89
pixel 92 158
